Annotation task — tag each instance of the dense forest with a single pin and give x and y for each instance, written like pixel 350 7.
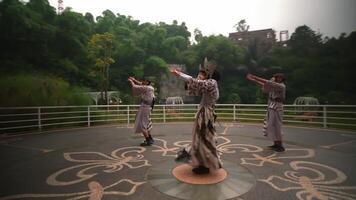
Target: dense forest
pixel 54 59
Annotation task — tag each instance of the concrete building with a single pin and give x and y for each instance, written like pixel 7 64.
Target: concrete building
pixel 266 37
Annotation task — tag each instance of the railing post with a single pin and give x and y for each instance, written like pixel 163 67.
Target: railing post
pixel 118 113
pixel 164 113
pixel 128 115
pixel 88 116
pixel 234 112
pixel 324 117
pixel 39 119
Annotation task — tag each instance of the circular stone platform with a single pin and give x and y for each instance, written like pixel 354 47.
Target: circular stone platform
pixel 238 181
pixel 185 174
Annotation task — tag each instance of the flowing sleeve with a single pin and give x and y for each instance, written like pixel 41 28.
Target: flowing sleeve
pixel 191 87
pixel 270 86
pixel 198 87
pixel 139 89
pixel 185 77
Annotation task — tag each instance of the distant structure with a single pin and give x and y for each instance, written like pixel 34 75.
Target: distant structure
pixel 173 87
pixel 113 97
pixel 60 6
pixel 174 100
pixel 307 108
pixel 306 101
pixel 265 37
pixel 256 43
pixel 245 38
pixel 283 37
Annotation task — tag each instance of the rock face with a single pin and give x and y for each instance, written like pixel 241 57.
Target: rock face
pixel 172 87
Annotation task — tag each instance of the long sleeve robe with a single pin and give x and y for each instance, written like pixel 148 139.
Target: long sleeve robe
pixel 143 121
pixel 203 150
pixel 272 127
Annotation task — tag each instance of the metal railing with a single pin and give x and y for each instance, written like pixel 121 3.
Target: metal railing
pixel 30 119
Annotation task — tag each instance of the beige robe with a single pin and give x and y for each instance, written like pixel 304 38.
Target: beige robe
pixel 272 126
pixel 143 121
pixel 203 149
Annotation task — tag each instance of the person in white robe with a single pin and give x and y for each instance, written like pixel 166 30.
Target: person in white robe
pixel 143 123
pixel 202 152
pixel 276 91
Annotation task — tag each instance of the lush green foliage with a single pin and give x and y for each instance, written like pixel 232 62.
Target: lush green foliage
pixel 35 40
pixel 26 90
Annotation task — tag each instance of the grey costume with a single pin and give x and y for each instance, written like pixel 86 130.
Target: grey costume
pixel 143 121
pixel 272 127
pixel 203 150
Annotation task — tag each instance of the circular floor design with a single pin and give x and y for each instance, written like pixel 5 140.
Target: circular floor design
pixel 185 174
pixel 239 180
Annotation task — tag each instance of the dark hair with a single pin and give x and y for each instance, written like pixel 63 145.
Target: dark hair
pixel 280 75
pixel 216 76
pixel 203 72
pixel 148 82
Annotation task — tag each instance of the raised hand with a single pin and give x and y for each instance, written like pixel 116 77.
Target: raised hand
pixel 174 71
pixel 131 81
pixel 250 77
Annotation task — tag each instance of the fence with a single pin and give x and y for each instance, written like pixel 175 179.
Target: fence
pixel 30 119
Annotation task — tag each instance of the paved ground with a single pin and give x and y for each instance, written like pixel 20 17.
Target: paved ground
pixel 107 163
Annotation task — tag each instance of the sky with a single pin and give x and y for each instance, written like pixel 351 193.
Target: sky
pixel 213 17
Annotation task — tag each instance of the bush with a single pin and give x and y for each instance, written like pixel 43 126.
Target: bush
pixel 27 90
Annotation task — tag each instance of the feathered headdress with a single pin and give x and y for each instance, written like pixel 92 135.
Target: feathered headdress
pixel 209 67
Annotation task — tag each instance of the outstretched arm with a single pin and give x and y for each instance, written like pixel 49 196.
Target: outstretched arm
pixel 198 87
pixel 181 75
pixel 131 81
pixel 135 81
pixel 137 87
pixel 258 80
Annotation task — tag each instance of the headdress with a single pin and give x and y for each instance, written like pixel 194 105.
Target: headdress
pixel 210 69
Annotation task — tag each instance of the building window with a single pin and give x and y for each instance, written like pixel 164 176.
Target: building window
pixel 269 35
pixel 239 39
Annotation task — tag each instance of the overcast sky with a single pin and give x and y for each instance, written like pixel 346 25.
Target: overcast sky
pixel 329 17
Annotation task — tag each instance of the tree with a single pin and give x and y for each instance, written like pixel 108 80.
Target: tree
pixel 100 49
pixel 172 47
pixel 105 23
pixel 305 42
pixel 241 26
pixel 234 98
pixel 43 8
pixel 151 40
pixel 198 35
pixel 155 66
pixel 221 49
pixel 25 38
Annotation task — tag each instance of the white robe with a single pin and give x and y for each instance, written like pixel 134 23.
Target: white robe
pixel 272 127
pixel 143 121
pixel 203 149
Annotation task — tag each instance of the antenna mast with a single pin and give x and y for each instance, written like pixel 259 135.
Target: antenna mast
pixel 60 6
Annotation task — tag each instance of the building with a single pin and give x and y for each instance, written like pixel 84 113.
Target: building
pixel 258 44
pixel 266 37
